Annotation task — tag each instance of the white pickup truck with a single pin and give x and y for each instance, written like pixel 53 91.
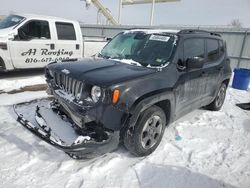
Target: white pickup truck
pixel 33 41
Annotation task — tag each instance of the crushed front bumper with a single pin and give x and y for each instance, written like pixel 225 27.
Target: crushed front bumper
pixel 57 131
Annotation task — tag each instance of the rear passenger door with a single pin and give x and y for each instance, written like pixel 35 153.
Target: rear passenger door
pixel 68 42
pixel 213 67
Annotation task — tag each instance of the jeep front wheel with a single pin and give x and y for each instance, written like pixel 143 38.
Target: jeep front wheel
pixel 146 135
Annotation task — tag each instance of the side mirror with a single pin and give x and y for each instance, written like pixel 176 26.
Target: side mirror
pixel 12 36
pixel 181 65
pixel 108 39
pixel 195 62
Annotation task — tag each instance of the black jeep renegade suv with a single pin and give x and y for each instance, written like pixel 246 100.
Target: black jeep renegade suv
pixel 139 83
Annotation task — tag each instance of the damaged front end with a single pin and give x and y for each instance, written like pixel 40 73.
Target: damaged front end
pixel 82 120
pixel 54 127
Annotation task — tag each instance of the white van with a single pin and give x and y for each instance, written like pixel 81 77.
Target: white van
pixel 33 41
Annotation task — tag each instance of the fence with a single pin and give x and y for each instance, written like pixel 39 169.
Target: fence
pixel 238 40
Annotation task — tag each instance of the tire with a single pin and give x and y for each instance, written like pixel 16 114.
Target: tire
pixel 146 135
pixel 219 99
pixel 2 64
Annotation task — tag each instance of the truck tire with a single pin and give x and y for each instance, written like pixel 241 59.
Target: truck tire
pixel 219 99
pixel 2 65
pixel 146 135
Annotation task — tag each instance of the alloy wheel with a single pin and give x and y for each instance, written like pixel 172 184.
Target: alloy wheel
pixel 221 96
pixel 151 132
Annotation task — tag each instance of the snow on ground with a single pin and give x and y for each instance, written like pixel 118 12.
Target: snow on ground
pixel 213 152
pixel 7 99
pixel 12 84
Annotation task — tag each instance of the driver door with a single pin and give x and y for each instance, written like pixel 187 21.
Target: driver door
pixel 192 83
pixel 27 49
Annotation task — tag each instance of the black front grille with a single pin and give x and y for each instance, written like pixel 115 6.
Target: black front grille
pixel 68 84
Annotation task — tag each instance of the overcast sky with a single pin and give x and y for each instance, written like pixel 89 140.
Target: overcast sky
pixel 188 12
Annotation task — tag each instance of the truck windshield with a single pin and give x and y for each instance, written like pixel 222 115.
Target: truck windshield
pixel 10 21
pixel 145 49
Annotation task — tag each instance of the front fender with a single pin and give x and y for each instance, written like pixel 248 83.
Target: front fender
pixel 145 102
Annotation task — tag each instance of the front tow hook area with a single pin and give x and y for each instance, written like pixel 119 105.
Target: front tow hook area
pixel 57 130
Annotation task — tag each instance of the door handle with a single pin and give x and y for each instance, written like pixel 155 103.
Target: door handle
pixel 52 46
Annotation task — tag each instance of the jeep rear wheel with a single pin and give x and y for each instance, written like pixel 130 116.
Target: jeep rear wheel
pixel 219 99
pixel 144 138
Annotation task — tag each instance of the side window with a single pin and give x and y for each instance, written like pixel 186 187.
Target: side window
pixel 35 29
pixel 194 48
pixel 65 31
pixel 212 50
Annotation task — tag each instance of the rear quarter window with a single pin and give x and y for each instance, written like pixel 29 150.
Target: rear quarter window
pixel 65 31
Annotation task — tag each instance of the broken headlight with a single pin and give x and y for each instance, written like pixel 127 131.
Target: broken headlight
pixel 96 93
pixel 51 73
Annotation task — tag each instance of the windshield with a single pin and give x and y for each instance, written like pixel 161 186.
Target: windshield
pixel 146 49
pixel 10 21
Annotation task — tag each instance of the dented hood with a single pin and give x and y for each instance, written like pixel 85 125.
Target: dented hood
pixel 102 72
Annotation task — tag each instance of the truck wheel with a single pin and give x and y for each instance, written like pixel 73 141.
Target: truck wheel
pixel 146 135
pixel 219 99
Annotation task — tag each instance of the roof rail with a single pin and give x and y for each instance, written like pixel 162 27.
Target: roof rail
pixel 190 31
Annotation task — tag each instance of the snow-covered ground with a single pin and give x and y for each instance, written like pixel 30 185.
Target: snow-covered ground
pixel 214 151
pixel 13 84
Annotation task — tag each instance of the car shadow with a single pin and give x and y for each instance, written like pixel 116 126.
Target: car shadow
pixel 246 125
pixel 166 176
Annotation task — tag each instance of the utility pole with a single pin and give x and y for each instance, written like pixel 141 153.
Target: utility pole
pixel 120 11
pixel 152 12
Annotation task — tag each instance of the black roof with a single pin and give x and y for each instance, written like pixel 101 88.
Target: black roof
pixel 196 31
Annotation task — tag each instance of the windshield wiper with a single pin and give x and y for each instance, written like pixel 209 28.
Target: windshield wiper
pixel 103 56
pixel 118 56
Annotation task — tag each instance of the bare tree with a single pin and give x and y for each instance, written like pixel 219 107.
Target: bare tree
pixel 236 23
